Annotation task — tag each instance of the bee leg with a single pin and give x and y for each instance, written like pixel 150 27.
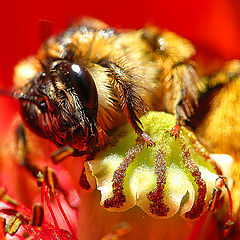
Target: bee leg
pixel 103 138
pixel 130 100
pixel 216 194
pixel 174 132
pixel 38 173
pixel 184 94
pixel 23 151
pixel 227 226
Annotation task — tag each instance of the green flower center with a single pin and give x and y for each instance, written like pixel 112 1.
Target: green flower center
pixel 176 175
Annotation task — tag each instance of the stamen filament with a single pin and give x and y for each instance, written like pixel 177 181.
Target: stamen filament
pixel 50 208
pixel 20 237
pixel 198 226
pixel 65 216
pixel 42 197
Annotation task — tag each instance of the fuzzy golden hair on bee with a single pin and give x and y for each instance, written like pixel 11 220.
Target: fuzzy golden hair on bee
pixel 220 126
pixel 133 72
pixel 224 107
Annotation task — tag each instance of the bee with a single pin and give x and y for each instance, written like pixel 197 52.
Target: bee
pixel 89 80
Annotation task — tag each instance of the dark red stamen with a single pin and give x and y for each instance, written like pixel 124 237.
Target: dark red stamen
pixel 158 207
pixel 65 216
pixel 119 198
pixel 199 203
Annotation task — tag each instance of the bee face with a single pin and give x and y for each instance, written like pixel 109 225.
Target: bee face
pixel 61 104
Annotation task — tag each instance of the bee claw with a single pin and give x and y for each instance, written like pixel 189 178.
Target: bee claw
pixel 148 140
pixel 175 131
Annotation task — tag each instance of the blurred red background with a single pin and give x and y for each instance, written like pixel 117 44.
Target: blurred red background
pixel 210 24
pixel 213 24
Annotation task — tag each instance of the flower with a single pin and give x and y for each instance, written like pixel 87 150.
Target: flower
pixel 174 178
pixel 211 24
pixel 36 223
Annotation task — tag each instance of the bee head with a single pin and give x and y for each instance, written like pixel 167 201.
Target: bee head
pixel 60 104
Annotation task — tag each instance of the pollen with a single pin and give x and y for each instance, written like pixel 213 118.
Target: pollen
pixel 176 175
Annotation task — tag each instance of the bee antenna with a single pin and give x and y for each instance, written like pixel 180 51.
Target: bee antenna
pixel 6 93
pixel 16 93
pixel 45 29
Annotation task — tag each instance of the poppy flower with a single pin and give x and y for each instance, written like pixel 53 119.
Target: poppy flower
pixel 213 26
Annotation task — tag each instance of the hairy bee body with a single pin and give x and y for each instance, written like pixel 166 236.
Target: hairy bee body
pixel 133 71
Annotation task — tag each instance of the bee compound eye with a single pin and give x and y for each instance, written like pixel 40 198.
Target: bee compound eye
pixel 84 85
